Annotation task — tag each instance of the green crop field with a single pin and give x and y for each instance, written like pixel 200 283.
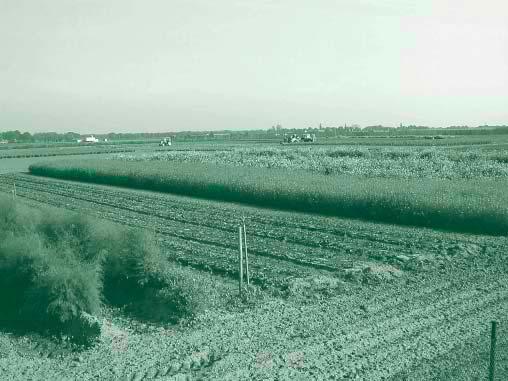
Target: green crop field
pixel 463 205
pixel 433 186
pixel 367 161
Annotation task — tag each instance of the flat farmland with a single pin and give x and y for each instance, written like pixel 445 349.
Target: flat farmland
pixel 59 151
pixel 253 191
pixel 21 159
pixel 294 241
pixel 343 298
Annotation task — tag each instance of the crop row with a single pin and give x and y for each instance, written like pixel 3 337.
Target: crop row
pixel 220 228
pixel 404 141
pixel 181 244
pixel 473 206
pixel 306 236
pixel 282 245
pixel 60 152
pixel 305 229
pixel 209 233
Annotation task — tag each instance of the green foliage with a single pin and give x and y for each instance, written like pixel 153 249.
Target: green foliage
pixel 347 153
pixel 16 136
pixel 499 157
pixel 387 162
pixel 474 205
pixel 45 288
pixel 58 267
pixel 137 277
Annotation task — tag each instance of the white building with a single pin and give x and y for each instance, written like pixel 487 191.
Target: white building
pixel 91 139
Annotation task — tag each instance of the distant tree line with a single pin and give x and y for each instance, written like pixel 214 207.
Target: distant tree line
pixel 39 137
pixel 16 136
pixel 273 133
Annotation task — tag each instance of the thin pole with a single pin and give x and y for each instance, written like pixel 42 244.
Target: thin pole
pixel 240 285
pixel 246 256
pixel 15 194
pixel 492 350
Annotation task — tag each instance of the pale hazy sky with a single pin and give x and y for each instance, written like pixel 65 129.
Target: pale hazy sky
pixel 168 65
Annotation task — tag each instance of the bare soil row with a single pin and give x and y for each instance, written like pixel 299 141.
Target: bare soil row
pixel 399 334
pixel 204 234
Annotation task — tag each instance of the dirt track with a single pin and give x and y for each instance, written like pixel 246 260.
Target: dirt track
pixel 402 325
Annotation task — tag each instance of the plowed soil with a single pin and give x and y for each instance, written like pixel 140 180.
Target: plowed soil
pixel 343 299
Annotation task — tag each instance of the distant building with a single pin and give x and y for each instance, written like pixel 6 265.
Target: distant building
pixel 88 139
pixel 91 139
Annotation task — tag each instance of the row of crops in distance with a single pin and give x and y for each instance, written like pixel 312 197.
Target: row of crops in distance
pixel 60 151
pixel 475 205
pixel 385 162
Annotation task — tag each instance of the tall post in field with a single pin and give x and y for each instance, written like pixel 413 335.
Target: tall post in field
pixel 246 255
pixel 492 351
pixel 241 260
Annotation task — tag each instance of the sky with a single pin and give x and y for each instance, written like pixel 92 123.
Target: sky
pixel 173 65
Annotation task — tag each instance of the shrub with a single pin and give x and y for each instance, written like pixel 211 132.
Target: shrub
pixel 44 289
pixel 56 271
pixel 137 277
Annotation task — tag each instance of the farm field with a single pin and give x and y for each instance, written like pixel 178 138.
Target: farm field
pixel 242 190
pixel 429 139
pixel 297 239
pixel 341 298
pixel 21 164
pixel 463 191
pixel 59 151
pixel 463 162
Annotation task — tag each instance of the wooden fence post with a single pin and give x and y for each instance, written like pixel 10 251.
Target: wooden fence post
pixel 492 350
pixel 246 255
pixel 240 285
